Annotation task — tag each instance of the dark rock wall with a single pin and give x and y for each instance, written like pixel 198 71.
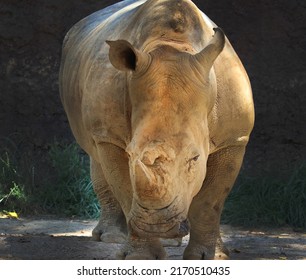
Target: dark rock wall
pixel 269 36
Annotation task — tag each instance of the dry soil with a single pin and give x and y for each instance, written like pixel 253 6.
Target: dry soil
pixel 51 238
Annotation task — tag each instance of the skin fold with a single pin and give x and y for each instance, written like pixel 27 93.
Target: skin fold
pixel 158 98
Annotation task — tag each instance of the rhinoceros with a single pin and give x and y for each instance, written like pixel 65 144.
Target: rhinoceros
pixel 160 101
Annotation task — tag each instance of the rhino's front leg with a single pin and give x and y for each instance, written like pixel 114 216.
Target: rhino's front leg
pixel 112 226
pixel 204 215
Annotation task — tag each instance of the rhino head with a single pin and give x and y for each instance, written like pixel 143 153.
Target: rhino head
pixel 171 95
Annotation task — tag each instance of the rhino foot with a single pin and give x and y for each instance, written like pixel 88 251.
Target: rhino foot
pixel 142 249
pixel 197 251
pixel 222 253
pixel 110 234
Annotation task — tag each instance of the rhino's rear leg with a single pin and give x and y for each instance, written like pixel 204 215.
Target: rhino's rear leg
pixel 111 227
pixel 205 211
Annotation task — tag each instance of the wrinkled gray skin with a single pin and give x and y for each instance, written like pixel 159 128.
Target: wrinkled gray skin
pixel 158 98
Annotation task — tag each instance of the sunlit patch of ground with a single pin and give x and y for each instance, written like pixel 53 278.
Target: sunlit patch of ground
pixel 50 238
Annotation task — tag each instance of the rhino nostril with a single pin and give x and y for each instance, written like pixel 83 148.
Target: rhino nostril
pixel 158 160
pixel 151 159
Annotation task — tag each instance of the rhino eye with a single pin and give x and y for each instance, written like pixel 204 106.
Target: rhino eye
pixel 195 158
pixel 192 164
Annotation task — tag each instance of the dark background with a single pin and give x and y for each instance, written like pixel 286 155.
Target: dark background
pixel 269 36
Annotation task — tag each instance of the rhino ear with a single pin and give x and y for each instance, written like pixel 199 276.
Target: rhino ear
pixel 123 56
pixel 209 54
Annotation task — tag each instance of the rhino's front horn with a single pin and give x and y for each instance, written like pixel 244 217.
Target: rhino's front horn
pixel 209 54
pixel 143 174
pixel 150 187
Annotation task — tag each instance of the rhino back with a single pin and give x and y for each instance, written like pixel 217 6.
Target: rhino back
pixel 94 93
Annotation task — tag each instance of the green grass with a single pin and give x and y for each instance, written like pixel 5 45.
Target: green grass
pixel 70 192
pixel 265 201
pixel 67 191
pixel 12 189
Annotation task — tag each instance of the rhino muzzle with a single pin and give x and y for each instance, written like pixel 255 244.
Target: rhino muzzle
pixel 164 223
pixel 162 230
pixel 158 207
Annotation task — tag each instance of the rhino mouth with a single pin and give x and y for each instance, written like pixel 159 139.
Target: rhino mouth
pixel 175 230
pixel 164 222
pixel 169 228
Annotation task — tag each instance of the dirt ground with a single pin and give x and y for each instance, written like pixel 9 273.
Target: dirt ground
pixel 53 239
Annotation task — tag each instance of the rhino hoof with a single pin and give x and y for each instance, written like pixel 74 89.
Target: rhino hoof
pixel 221 256
pixel 141 256
pixel 142 250
pixel 109 236
pixel 222 253
pixel 198 253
